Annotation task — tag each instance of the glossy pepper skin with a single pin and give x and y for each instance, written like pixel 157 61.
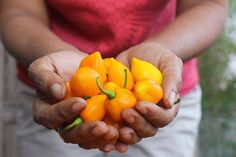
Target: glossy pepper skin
pixel 148 90
pixel 94 109
pixel 144 70
pixel 95 62
pixel 83 82
pixel 116 73
pixel 118 100
pixel 110 86
pixel 107 119
pixel 107 63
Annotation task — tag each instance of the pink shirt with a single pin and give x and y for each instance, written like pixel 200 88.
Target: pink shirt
pixel 112 26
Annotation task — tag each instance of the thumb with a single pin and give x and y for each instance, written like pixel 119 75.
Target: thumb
pixel 54 116
pixel 42 72
pixel 171 68
pixel 123 58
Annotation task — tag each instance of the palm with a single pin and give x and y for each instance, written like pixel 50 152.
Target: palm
pixel 65 63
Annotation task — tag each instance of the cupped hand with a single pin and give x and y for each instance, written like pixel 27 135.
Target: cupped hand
pixel 50 73
pixel 146 118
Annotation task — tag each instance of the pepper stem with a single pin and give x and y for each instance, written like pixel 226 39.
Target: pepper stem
pixel 78 121
pixel 87 97
pixel 177 101
pixel 126 77
pixel 109 93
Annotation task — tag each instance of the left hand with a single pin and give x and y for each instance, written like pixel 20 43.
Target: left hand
pixel 146 118
pixel 51 110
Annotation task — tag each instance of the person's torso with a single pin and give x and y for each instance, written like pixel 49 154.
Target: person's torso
pixel 112 26
pixel 109 26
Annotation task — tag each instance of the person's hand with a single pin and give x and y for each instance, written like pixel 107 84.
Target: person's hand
pixel 50 110
pixel 146 118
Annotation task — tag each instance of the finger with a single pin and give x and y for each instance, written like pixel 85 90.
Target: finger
pixel 88 145
pixel 55 116
pixel 110 139
pixel 97 145
pixel 105 143
pixel 128 136
pixel 171 67
pixel 121 147
pixel 136 121
pixel 112 134
pixel 86 132
pixel 46 79
pixel 158 116
pixel 106 147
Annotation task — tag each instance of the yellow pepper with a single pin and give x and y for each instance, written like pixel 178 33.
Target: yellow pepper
pixel 107 63
pixel 144 70
pixel 148 90
pixel 95 62
pixel 116 74
pixel 113 79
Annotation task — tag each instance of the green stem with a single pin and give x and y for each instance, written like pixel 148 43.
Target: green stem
pixel 110 94
pixel 87 97
pixel 177 101
pixel 126 77
pixel 78 121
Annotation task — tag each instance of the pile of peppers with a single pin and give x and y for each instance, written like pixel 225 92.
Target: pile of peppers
pixel 109 87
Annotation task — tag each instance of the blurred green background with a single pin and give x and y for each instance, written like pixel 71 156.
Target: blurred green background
pixel 217 69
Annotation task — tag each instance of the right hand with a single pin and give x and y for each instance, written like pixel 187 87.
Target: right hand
pixel 50 73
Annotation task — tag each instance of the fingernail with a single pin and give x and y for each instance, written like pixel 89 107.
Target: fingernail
pixel 172 98
pixel 57 91
pixel 78 105
pixel 109 147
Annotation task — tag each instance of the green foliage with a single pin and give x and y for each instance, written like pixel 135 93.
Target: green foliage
pixel 217 130
pixel 218 90
pixel 232 6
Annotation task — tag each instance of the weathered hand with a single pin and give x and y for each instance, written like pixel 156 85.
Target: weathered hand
pixel 50 110
pixel 146 118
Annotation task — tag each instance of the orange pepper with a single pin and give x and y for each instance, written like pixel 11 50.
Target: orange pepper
pixel 118 100
pixel 107 119
pixel 110 86
pixel 94 109
pixel 83 82
pixel 95 62
pixel 116 74
pixel 148 90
